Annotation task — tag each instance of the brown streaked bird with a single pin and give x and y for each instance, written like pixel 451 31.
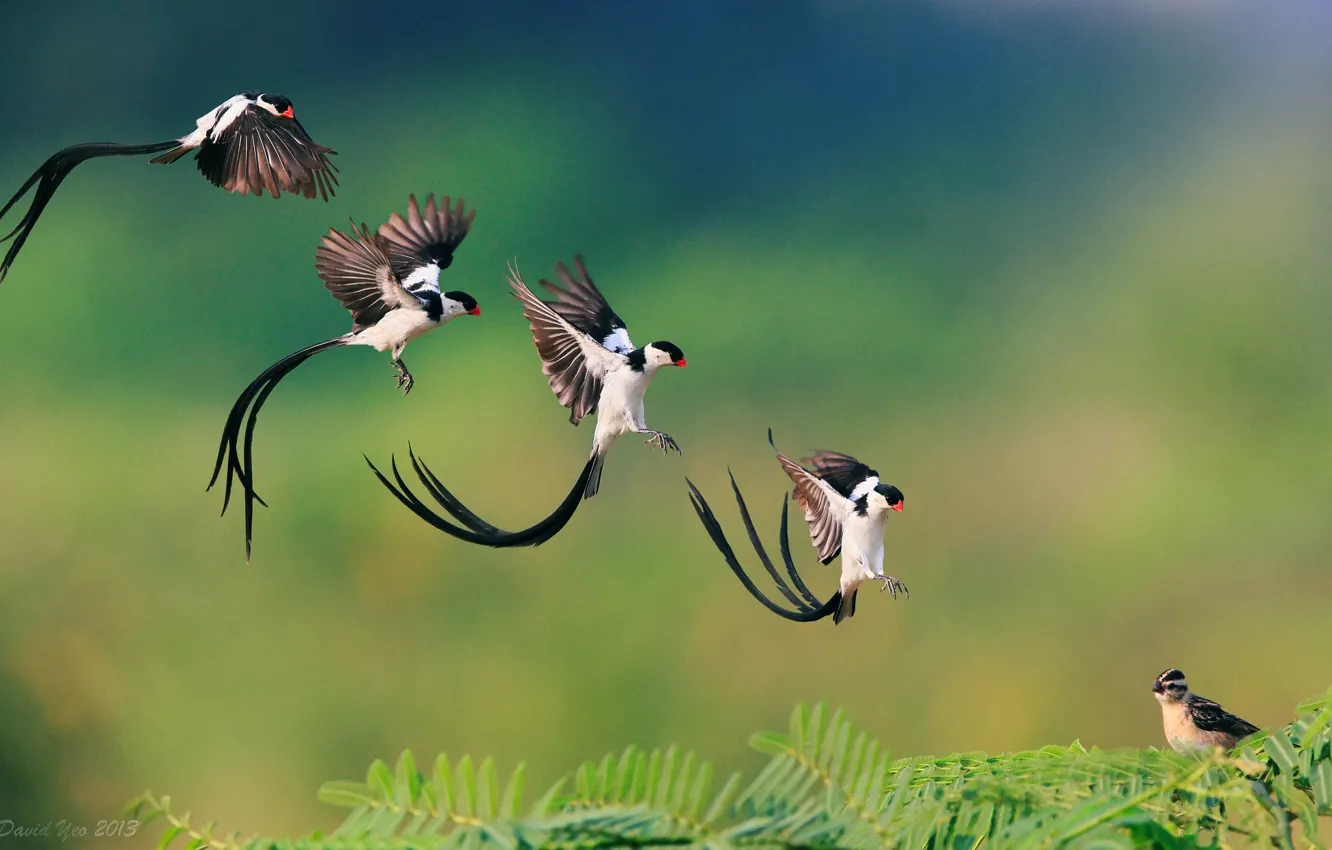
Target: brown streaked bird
pixel 250 143
pixel 1192 722
pixel 389 281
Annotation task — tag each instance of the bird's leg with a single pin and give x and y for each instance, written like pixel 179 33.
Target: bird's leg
pixel 661 440
pixel 893 585
pixel 405 379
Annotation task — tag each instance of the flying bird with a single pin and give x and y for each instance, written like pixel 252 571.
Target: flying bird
pixel 250 143
pixel 846 507
pixel 592 366
pixel 1193 723
pixel 389 281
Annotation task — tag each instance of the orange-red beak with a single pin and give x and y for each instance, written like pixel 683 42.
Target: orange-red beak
pixel 897 507
pixel 475 311
pixel 680 363
pixel 288 113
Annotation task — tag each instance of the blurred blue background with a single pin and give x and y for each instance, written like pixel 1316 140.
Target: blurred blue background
pixel 1059 270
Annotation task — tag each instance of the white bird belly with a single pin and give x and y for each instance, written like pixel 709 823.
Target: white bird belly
pixel 862 551
pixel 395 330
pixel 620 407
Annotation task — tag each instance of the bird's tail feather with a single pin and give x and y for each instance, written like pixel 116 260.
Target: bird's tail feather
pixel 477 530
pixel 238 454
pixel 56 168
pixel 597 462
pixel 847 608
pixel 804 612
pixel 172 155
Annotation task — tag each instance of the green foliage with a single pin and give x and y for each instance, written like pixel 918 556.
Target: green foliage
pixel 829 785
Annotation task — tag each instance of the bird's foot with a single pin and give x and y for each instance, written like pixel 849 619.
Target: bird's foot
pixel 893 585
pixel 405 379
pixel 662 441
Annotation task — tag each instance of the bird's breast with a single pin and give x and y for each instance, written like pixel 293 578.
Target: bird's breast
pixel 396 329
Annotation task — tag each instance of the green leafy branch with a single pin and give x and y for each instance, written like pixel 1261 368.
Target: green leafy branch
pixel 828 785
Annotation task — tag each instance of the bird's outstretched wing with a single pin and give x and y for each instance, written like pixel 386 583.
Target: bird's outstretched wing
pixel 1211 717
pixel 841 471
pixel 421 245
pixel 356 269
pixel 825 508
pixel 581 304
pixel 574 363
pixel 259 150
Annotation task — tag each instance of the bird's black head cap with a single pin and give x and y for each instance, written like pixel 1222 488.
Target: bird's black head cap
pixel 1170 680
pixel 468 302
pixel 281 103
pixel 677 356
pixel 893 495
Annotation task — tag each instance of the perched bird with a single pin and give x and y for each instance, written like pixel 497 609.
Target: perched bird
pixel 389 281
pixel 1193 723
pixel 591 365
pixel 249 143
pixel 846 507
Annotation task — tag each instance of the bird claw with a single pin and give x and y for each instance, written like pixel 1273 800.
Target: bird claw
pixel 893 585
pixel 405 379
pixel 663 442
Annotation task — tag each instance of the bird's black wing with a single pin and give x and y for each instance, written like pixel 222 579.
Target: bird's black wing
pixel 573 362
pixel 1211 717
pixel 422 240
pixel 259 150
pixel 582 305
pixel 825 508
pixel 356 270
pixel 841 471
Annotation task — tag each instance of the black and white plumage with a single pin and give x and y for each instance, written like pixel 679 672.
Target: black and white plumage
pixel 389 281
pixel 846 507
pixel 250 143
pixel 1192 722
pixel 590 363
pixel 592 366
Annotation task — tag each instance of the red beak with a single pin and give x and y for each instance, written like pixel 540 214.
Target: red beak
pixel 475 311
pixel 897 507
pixel 680 363
pixel 288 113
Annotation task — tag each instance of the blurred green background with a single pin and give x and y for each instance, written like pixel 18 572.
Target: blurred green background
pixel 1060 270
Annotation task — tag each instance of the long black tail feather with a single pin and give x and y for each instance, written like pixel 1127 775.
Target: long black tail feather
pixel 240 460
pixel 786 557
pixel 476 530
pixel 799 603
pixel 52 172
pixel 804 611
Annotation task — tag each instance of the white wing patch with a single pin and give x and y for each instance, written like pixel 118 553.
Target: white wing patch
pixel 864 488
pixel 422 277
pixel 229 112
pixel 618 341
